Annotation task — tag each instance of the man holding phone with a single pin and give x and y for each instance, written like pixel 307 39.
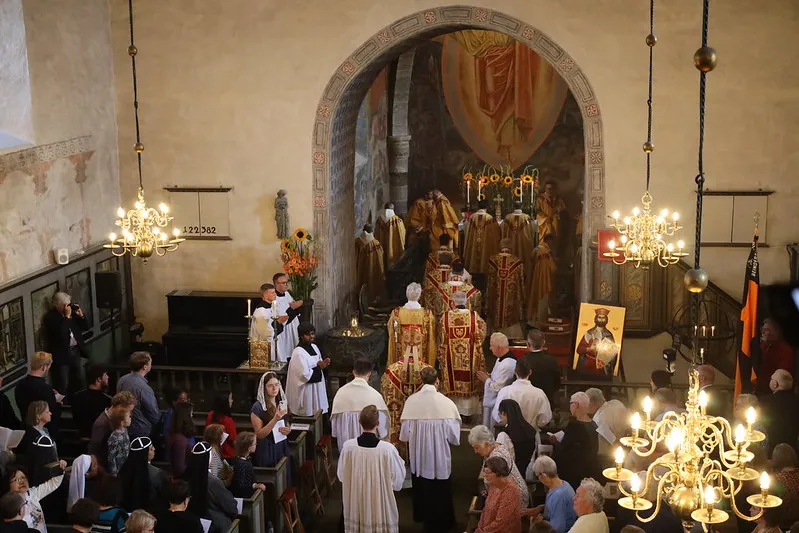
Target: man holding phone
pixel 63 326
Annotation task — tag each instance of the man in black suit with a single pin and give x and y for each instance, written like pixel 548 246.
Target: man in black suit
pixel 781 411
pixel 545 370
pixel 89 403
pixel 63 328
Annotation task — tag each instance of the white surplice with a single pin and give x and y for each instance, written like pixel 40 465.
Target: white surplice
pixel 532 401
pixel 305 398
pixel 612 422
pixel 501 375
pixel 288 339
pixel 430 424
pixel 369 477
pixel 346 411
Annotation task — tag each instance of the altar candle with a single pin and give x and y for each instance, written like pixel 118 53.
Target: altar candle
pixel 479 189
pixel 468 191
pixel 249 307
pixel 521 196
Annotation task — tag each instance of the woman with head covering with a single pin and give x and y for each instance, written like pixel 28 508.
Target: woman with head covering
pixel 210 499
pixel 518 435
pixel 135 475
pixel 83 467
pixel 37 416
pixel 267 413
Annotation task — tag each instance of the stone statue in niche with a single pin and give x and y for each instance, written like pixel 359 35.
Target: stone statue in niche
pixel 282 215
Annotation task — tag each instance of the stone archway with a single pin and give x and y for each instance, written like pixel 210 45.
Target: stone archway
pixel 333 143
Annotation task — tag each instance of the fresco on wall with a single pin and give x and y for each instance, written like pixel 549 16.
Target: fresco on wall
pixel 12 337
pixel 371 153
pixel 481 97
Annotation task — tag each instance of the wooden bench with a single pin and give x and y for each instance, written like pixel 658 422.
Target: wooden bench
pixel 473 516
pixel 276 479
pixel 252 518
pixel 315 432
pixel 298 450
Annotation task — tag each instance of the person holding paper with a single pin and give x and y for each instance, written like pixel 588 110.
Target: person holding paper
pixel 610 417
pixel 215 436
pixel 370 471
pixel 305 381
pixel 210 499
pixel 576 447
pixel 351 399
pixel 430 424
pixel 177 518
pixel 289 308
pixel 266 417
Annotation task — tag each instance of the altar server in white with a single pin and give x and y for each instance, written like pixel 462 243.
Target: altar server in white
pixel 287 307
pixel 501 375
pixel 430 424
pixel 305 382
pixel 532 400
pixel 265 323
pixel 351 399
pixel 370 471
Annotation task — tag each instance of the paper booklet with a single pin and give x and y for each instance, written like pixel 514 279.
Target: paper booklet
pixel 10 439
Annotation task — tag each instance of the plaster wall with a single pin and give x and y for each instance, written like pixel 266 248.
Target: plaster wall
pixel 230 89
pixel 60 192
pixel 16 124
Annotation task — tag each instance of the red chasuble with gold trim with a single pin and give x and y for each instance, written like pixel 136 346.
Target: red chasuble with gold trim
pixel 461 353
pixel 400 380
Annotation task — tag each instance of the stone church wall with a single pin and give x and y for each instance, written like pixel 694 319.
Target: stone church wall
pixel 230 91
pixel 59 185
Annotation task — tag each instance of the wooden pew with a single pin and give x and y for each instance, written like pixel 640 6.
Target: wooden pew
pixel 277 480
pixel 252 518
pixel 298 450
pixel 315 430
pixel 234 527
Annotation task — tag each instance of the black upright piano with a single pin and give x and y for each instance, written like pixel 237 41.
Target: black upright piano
pixel 208 328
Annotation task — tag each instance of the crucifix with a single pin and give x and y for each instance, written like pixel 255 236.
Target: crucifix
pixel 498 207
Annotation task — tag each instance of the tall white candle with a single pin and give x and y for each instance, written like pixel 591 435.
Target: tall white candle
pixel 468 192
pixel 249 307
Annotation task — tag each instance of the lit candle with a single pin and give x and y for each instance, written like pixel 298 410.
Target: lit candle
pixel 635 485
pixel 694 331
pixel 712 330
pixel 468 192
pixel 751 416
pixel 521 188
pixel 740 437
pixel 702 353
pixel 765 482
pixel 479 189
pixel 710 499
pixel 635 421
pixel 647 406
pixel 619 457
pixel 249 307
pixel 703 400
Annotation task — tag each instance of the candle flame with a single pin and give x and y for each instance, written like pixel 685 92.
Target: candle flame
pixel 765 481
pixel 751 415
pixel 703 398
pixel 619 455
pixel 635 421
pixel 710 495
pixel 635 484
pixel 740 433
pixel 647 405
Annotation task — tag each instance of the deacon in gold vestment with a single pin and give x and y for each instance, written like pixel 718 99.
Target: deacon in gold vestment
pixel 518 228
pixel 412 326
pixel 390 233
pixel 548 207
pixel 445 220
pixel 482 239
pixel 461 356
pixel 419 218
pixel 505 288
pixel 432 279
pixel 369 267
pixel 541 282
pixel 400 380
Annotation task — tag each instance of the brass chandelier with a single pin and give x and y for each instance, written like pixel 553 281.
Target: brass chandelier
pixel 143 229
pixel 643 233
pixel 691 479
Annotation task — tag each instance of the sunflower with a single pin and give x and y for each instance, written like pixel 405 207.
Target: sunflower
pixel 285 245
pixel 517 192
pixel 468 176
pixel 300 234
pixel 507 181
pixel 481 197
pixel 494 178
pixel 527 178
pixel 483 180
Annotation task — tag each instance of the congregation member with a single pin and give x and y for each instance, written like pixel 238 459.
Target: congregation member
pixel 63 326
pixel 785 468
pixel 102 427
pixel 370 471
pixel 412 327
pixel 119 440
pixel 159 479
pixel 84 514
pixel 287 307
pixel 775 354
pixel 209 497
pixel 89 403
pixel 482 442
pixel 107 493
pixel 221 414
pixel 351 399
pixel 177 518
pixel 146 413
pixel 214 435
pixel 263 312
pixel 517 435
pixel 305 381
pixel 36 420
pixel 545 372
pixel 502 511
pixel 532 401
pixel 576 447
pixel 34 387
pixel 659 379
pixel 718 401
pixel 180 437
pixel 399 381
pixel 610 417
pixel 558 508
pixel 12 511
pixel 501 374
pixel 505 288
pixel 84 467
pixel 666 399
pixel 589 499
pixel 135 475
pixel 140 521
pixel 265 415
pixel 781 411
pixel 431 424
pixel 17 482
pixel 243 483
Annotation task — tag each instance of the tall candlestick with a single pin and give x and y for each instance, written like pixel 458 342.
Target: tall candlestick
pixel 249 307
pixel 521 196
pixel 468 192
pixel 479 189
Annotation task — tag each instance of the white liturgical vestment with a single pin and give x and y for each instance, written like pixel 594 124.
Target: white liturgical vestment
pixel 532 401
pixel 346 411
pixel 305 382
pixel 430 424
pixel 501 375
pixel 288 339
pixel 369 476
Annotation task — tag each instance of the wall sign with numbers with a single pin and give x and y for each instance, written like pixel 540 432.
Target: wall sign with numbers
pixel 201 213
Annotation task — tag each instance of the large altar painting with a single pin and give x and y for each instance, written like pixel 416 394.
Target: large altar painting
pixel 597 350
pixel 503 97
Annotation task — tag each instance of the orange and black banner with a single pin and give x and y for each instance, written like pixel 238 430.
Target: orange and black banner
pixel 749 354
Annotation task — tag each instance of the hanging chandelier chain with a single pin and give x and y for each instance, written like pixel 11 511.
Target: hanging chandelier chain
pixel 132 52
pixel 700 177
pixel 649 97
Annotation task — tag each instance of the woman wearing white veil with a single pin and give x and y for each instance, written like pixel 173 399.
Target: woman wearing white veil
pixel 267 419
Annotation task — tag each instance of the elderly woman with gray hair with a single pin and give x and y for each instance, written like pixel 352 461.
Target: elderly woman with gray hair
pixel 483 443
pixel 502 511
pixel 576 448
pixel 589 500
